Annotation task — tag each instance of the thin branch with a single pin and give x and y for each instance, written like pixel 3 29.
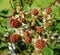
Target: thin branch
pixel 5 16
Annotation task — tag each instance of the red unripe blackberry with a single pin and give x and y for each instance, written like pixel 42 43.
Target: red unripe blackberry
pixel 23 20
pixel 14 11
pixel 34 12
pixel 48 10
pixel 39 29
pixel 28 40
pixel 40 44
pixel 47 24
pixel 15 37
pixel 14 23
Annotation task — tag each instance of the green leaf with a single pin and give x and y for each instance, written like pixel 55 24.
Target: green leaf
pixel 14 3
pixel 58 28
pixel 39 23
pixel 2 45
pixel 3 21
pixel 0 37
pixel 41 3
pixel 25 5
pixel 5 7
pixel 56 11
pixel 47 51
pixel 2 30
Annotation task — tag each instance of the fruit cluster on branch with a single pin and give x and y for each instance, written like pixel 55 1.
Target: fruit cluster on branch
pixel 32 31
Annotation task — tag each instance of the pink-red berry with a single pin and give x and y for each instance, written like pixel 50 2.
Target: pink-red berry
pixel 14 23
pixel 48 10
pixel 15 37
pixel 34 12
pixel 40 44
pixel 14 11
pixel 28 40
pixel 39 29
pixel 47 24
